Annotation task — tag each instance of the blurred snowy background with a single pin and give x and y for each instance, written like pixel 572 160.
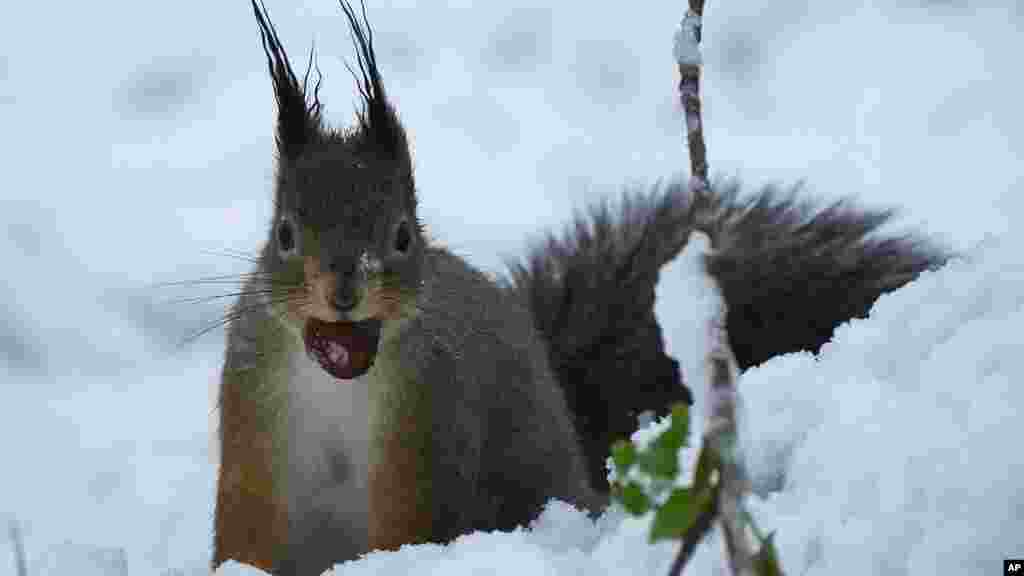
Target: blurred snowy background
pixel 137 138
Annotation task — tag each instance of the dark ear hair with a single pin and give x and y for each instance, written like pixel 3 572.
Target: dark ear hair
pixel 378 123
pixel 298 123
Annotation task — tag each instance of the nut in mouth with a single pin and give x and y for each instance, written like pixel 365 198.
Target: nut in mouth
pixel 345 350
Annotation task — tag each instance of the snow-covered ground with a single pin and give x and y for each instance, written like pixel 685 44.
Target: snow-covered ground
pixel 137 136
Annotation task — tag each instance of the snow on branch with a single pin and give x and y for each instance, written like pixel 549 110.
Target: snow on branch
pixel 720 439
pixel 686 49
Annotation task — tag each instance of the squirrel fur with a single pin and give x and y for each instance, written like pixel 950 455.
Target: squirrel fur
pixel 378 390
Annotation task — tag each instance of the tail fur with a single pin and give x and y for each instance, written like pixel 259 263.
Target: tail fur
pixel 591 292
pixel 790 269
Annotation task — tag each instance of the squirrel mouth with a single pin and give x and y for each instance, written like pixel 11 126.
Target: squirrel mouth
pixel 345 350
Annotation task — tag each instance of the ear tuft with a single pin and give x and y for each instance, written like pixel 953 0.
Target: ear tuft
pixel 298 122
pixel 378 123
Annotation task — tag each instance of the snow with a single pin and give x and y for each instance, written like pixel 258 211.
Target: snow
pixel 686 40
pixel 914 414
pixel 129 152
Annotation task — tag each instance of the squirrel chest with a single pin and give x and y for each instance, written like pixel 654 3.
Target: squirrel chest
pixel 318 469
pixel 328 446
pixel 357 461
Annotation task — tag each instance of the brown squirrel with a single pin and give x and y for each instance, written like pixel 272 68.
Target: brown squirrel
pixel 378 390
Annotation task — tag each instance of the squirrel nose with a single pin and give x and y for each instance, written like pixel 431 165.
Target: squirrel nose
pixel 344 297
pixel 344 300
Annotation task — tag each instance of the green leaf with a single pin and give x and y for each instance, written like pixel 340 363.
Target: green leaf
pixel 679 513
pixel 623 456
pixel 681 419
pixel 661 458
pixel 633 499
pixel 675 516
pixel 766 561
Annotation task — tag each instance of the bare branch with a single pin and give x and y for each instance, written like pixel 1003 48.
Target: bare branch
pixel 722 393
pixel 720 434
pixel 689 61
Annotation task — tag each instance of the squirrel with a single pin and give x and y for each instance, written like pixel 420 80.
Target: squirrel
pixel 378 390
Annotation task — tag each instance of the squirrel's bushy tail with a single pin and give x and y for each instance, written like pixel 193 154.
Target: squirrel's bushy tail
pixel 791 270
pixel 591 292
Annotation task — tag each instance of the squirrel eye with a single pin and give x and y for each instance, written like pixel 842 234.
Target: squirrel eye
pixel 285 236
pixel 403 237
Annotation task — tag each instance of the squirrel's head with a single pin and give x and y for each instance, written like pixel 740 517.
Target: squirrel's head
pixel 345 234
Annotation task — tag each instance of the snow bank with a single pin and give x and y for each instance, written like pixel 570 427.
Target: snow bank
pixel 902 440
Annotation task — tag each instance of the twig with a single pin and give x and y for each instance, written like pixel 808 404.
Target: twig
pixel 693 537
pixel 721 397
pixel 720 435
pixel 689 61
pixel 18 543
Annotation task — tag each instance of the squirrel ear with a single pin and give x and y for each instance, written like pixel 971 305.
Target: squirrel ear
pixel 298 122
pixel 378 122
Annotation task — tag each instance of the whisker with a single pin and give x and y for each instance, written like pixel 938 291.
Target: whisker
pixel 224 321
pixel 236 254
pixel 213 298
pixel 237 313
pixel 264 277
